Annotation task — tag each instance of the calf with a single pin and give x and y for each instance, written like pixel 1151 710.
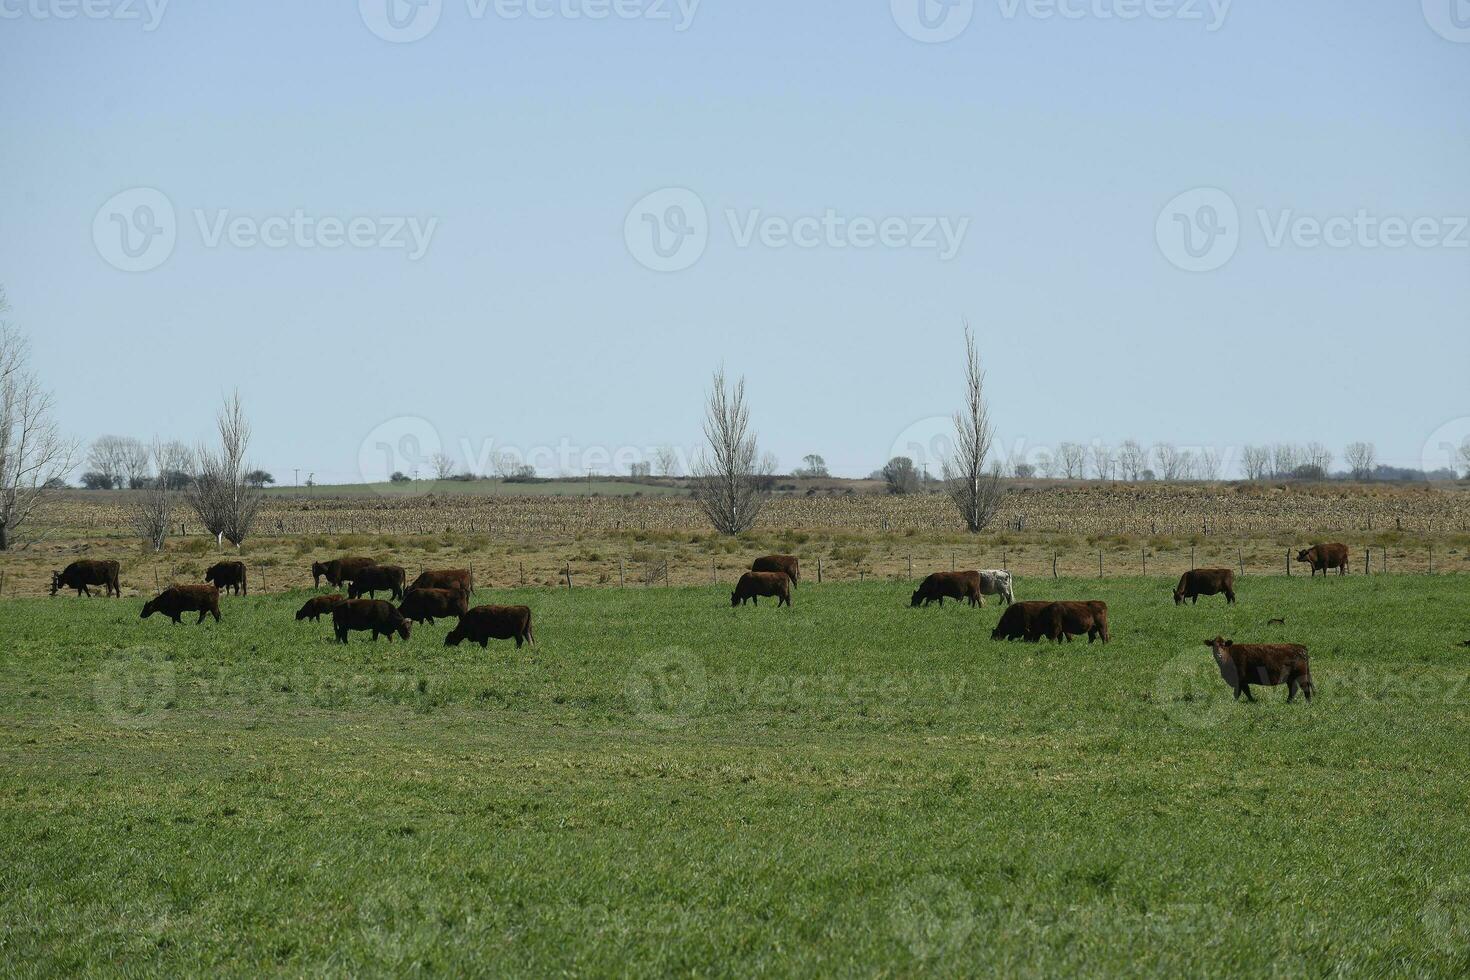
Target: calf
pixel 375 579
pixel 338 571
pixel 318 606
pixel 228 575
pixel 1018 622
pixel 427 605
pixel 1064 620
pixel 1205 581
pixel 1324 557
pixel 80 574
pixel 368 614
pixel 485 623
pixel 449 578
pixel 176 600
pixel 948 585
pixel 787 565
pixel 1265 664
pixel 753 585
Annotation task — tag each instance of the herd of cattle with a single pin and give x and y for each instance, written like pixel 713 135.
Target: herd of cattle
pixel 445 594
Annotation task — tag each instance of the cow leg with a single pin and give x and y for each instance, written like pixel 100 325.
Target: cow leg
pixel 519 641
pixel 1291 690
pixel 1230 598
pixel 485 644
pixel 1248 696
pixel 202 614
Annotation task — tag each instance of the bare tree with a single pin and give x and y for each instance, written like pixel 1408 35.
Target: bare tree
pixel 1361 457
pixel 1132 460
pixel 34 457
pixel 731 477
pixel 1255 461
pixel 1285 458
pixel 1072 460
pixel 1207 465
pixel 666 462
pixel 1319 458
pixel 1102 462
pixel 153 507
pixel 1465 456
pixel 108 458
pixel 975 490
pixel 220 493
pixel 443 465
pixel 1168 461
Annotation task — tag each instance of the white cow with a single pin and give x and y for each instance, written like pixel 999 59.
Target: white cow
pixel 996 582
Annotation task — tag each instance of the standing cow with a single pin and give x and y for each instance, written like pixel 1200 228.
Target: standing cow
pixel 1268 665
pixel 752 585
pixel 1205 581
pixel 1325 557
pixel 787 565
pixel 228 575
pixel 993 581
pixel 338 571
pixel 80 574
pixel 461 579
pixel 1063 620
pixel 377 578
pixel 964 586
pixel 176 600
pixel 485 623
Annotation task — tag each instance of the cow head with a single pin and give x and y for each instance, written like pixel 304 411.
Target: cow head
pixel 735 598
pixel 1305 554
pixel 1224 657
pixel 456 637
pixel 1178 595
pixel 55 582
pixel 303 612
pixel 318 569
pixel 405 626
pixel 149 608
pixel 917 599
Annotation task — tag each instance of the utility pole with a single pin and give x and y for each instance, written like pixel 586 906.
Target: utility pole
pixel 297 471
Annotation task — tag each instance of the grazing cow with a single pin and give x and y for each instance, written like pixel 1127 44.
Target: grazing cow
pixel 1064 620
pixel 753 585
pixel 1205 581
pixel 377 578
pixel 80 574
pixel 1324 557
pixel 1018 622
pixel 449 578
pixel 338 571
pixel 787 565
pixel 427 605
pixel 228 575
pixel 993 581
pixel 369 614
pixel 1265 664
pixel 319 606
pixel 485 623
pixel 948 585
pixel 176 600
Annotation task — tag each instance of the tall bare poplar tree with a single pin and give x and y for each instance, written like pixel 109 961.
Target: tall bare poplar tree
pixel 975 489
pixel 220 493
pixel 731 476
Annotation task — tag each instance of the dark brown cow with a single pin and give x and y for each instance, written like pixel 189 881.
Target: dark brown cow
pixel 369 614
pixel 1064 620
pixel 1265 664
pixel 176 600
pixel 377 578
pixel 427 605
pixel 1325 557
pixel 80 574
pixel 1018 622
pixel 949 585
pixel 319 606
pixel 449 578
pixel 228 575
pixel 485 623
pixel 1205 581
pixel 753 585
pixel 787 565
pixel 338 571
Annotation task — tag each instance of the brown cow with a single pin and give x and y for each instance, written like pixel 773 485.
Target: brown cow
pixel 949 585
pixel 485 623
pixel 377 578
pixel 228 575
pixel 1018 622
pixel 80 574
pixel 1324 557
pixel 1265 664
pixel 427 605
pixel 319 606
pixel 1206 581
pixel 788 565
pixel 449 578
pixel 1064 620
pixel 369 614
pixel 338 571
pixel 753 585
pixel 176 600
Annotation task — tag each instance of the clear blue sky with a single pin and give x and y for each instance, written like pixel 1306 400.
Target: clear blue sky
pixel 529 321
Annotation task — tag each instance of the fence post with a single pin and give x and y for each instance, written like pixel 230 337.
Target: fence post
pixel 1099 563
pixel 569 576
pixel 1431 559
pixel 1054 565
pixel 1385 560
pixel 911 568
pixel 714 575
pixel 1240 553
pixel 1145 562
pixel 523 573
pixel 1288 563
pixel 666 573
pixel 1367 561
pixel 819 569
pixel 620 573
pixel 1191 558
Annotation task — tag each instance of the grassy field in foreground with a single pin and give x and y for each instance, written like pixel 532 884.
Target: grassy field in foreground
pixel 668 785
